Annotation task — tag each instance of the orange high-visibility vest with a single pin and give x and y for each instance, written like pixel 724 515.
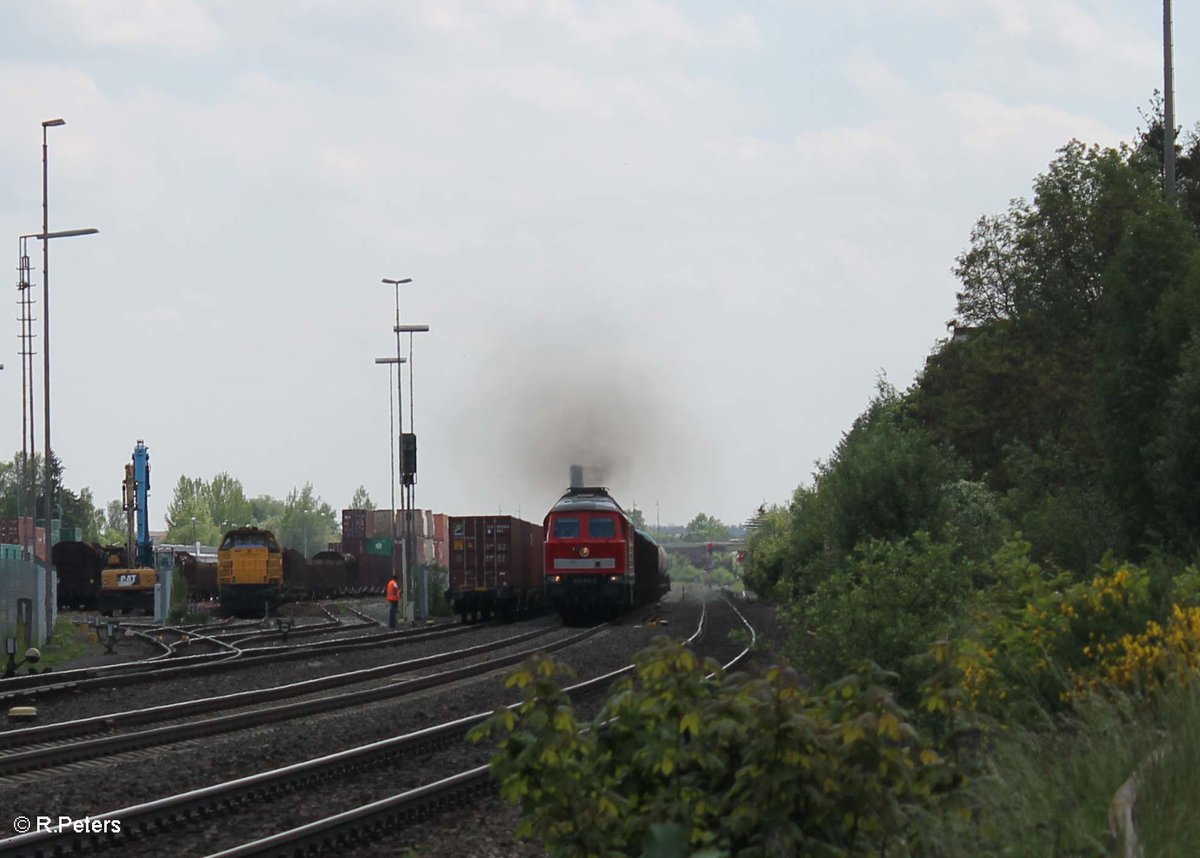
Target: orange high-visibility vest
pixel 393 591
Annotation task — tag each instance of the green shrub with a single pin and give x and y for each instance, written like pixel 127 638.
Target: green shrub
pixel 737 765
pixel 887 602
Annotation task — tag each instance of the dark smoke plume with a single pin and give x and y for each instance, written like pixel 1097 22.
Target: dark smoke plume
pixel 530 417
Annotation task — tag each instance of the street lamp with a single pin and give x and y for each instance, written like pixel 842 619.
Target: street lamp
pixel 410 478
pixel 391 362
pixel 45 238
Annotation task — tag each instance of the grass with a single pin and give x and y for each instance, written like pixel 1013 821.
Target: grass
pixel 1048 791
pixel 1165 814
pixel 70 641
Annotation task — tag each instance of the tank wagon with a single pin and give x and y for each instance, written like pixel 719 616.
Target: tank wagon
pixel 199 573
pixel 597 562
pixel 324 575
pixel 496 567
pixel 78 565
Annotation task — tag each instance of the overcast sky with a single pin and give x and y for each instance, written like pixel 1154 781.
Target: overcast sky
pixel 676 240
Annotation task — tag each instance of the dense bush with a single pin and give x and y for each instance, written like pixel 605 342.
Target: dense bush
pixel 697 762
pixel 887 602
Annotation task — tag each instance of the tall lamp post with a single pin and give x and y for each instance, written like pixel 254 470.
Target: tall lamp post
pixel 45 237
pixel 410 475
pixel 392 362
pixel 404 559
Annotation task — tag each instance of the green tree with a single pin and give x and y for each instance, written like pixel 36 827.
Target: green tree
pixel 266 511
pixel 706 528
pixel 361 500
pixel 190 495
pixel 112 528
pixel 227 502
pixel 73 509
pixel 769 554
pixel 682 571
pixel 1152 308
pixel 1174 455
pixel 192 522
pixel 307 522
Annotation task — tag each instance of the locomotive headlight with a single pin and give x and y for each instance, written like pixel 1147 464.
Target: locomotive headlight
pixel 614 578
pixel 585 551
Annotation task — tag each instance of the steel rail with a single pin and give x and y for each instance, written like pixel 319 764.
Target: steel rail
pixel 342 830
pixel 151 817
pixel 85 678
pixel 60 754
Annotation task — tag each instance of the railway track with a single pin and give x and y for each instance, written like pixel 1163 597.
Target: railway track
pixel 52 751
pixel 336 831
pixel 27 689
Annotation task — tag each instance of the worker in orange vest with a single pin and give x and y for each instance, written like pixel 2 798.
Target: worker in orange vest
pixel 393 600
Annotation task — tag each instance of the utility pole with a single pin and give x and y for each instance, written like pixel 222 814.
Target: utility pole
pixel 1168 106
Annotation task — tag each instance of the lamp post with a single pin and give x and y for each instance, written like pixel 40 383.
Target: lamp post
pixel 404 560
pixel 391 362
pixel 410 478
pixel 49 501
pixel 45 238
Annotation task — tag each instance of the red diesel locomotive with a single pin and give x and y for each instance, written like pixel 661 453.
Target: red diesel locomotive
pixel 597 562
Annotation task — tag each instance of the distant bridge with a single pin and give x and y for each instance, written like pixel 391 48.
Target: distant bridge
pixel 698 553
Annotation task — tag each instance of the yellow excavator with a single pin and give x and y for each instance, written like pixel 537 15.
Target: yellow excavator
pixel 132 588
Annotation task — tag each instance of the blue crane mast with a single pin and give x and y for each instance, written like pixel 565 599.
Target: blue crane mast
pixel 141 476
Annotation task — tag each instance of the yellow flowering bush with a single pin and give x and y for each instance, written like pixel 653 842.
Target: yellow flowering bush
pixel 1157 657
pixel 1037 639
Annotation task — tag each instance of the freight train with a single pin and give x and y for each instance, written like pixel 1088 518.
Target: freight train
pixel 255 574
pixel 495 567
pixel 597 562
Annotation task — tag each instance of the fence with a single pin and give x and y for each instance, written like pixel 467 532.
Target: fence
pixel 23 599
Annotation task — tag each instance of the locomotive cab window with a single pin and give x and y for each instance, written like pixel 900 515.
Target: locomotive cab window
pixel 602 527
pixel 566 528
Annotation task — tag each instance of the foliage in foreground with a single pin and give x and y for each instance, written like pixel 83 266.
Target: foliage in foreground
pixel 685 759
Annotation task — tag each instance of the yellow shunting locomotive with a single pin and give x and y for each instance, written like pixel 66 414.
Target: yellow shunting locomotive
pixel 249 571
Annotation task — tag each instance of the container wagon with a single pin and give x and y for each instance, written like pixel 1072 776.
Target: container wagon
pixel 496 567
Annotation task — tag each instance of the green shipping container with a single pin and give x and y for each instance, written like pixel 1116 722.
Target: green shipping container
pixel 380 547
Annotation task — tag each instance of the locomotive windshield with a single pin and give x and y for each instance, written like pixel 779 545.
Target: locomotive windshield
pixel 602 527
pixel 566 528
pixel 249 540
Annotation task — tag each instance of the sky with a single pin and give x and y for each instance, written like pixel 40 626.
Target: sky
pixel 675 242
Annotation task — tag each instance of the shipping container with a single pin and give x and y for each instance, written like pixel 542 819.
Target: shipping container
pixel 10 531
pixel 379 523
pixel 355 546
pixel 380 546
pixel 354 523
pixel 496 566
